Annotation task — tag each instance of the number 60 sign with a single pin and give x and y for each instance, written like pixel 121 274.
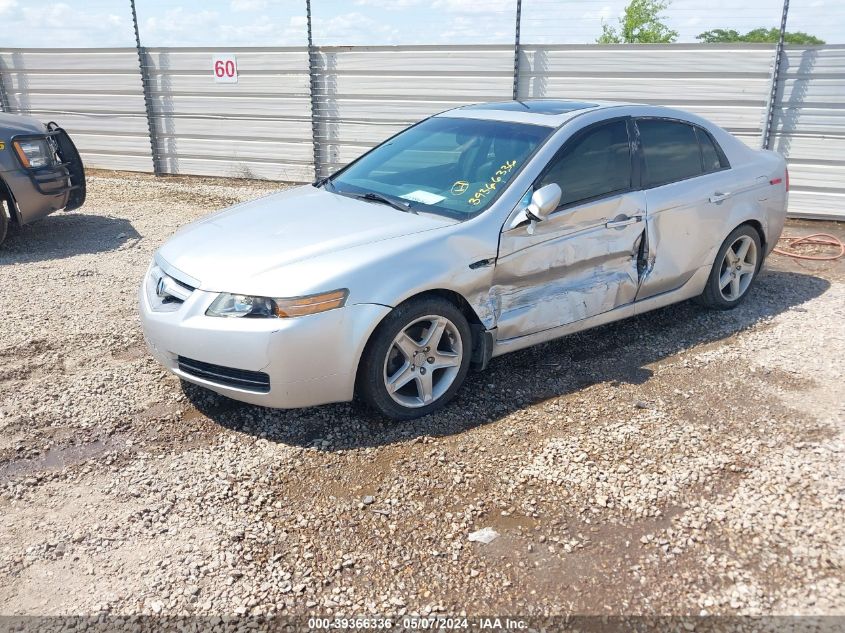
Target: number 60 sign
pixel 225 69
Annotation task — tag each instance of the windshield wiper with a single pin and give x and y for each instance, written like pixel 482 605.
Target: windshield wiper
pixel 325 181
pixel 377 197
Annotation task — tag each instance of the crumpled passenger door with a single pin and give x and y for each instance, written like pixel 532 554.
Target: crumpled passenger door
pixel 579 262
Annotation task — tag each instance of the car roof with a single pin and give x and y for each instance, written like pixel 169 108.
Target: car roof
pixel 546 112
pixel 553 113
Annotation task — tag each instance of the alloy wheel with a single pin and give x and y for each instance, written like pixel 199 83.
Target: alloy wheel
pixel 423 361
pixel 738 268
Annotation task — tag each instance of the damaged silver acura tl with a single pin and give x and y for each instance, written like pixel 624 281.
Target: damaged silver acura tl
pixel 476 232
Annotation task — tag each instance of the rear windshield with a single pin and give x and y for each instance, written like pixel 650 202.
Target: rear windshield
pixel 454 167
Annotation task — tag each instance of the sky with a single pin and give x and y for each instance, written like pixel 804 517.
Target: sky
pixel 108 23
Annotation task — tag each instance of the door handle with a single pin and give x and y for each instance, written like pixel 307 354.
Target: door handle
pixel 623 221
pixel 719 196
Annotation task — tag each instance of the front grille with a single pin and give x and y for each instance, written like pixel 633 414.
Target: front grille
pixel 256 381
pixel 165 292
pixel 173 290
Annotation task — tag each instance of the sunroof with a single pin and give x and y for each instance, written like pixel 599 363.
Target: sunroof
pixel 536 106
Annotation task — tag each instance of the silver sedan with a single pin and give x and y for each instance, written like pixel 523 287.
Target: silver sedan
pixel 474 233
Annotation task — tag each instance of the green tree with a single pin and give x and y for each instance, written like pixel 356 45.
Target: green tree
pixel 761 35
pixel 641 24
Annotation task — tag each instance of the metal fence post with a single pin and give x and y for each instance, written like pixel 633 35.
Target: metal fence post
pixel 766 141
pixel 516 50
pixel 313 90
pixel 143 64
pixel 4 97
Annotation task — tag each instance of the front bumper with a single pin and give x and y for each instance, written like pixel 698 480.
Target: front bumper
pixel 40 191
pixel 309 360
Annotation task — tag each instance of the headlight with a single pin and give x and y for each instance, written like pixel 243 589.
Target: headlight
pixel 233 305
pixel 34 152
pixel 229 305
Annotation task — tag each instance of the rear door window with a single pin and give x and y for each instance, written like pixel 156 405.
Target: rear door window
pixel 711 158
pixel 671 151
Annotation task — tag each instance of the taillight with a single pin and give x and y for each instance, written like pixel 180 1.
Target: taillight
pixel 777 181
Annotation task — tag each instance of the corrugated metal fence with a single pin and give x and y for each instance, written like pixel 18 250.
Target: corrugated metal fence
pixel 94 93
pixel 257 128
pixel 810 129
pixel 366 94
pixel 261 126
pixel 727 85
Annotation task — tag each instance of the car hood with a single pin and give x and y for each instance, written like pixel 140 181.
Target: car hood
pixel 228 249
pixel 21 124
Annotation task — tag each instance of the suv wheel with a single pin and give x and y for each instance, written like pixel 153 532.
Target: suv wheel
pixel 4 221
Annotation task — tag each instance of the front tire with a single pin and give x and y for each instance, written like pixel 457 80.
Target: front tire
pixel 734 270
pixel 417 359
pixel 4 222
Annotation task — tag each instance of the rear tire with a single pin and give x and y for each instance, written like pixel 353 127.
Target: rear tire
pixel 416 360
pixel 734 270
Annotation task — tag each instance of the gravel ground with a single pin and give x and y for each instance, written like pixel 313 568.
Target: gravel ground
pixel 682 462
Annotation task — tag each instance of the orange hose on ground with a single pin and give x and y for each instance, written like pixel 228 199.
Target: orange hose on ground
pixel 816 239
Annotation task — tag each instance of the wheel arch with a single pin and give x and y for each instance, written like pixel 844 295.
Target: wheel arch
pixel 455 298
pixel 757 226
pixel 7 195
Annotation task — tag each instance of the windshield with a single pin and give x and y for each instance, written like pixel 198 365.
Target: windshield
pixel 453 167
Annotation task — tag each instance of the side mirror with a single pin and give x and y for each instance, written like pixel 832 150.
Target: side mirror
pixel 543 202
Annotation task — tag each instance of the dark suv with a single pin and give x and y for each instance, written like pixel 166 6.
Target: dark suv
pixel 40 171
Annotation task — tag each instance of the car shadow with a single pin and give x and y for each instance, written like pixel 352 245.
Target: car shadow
pixel 65 235
pixel 619 352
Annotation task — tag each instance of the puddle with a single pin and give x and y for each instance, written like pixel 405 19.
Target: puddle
pixel 56 459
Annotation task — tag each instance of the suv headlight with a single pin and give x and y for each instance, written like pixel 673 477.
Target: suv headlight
pixel 35 152
pixel 235 305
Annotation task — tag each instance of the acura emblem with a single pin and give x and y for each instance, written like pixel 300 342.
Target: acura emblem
pixel 160 288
